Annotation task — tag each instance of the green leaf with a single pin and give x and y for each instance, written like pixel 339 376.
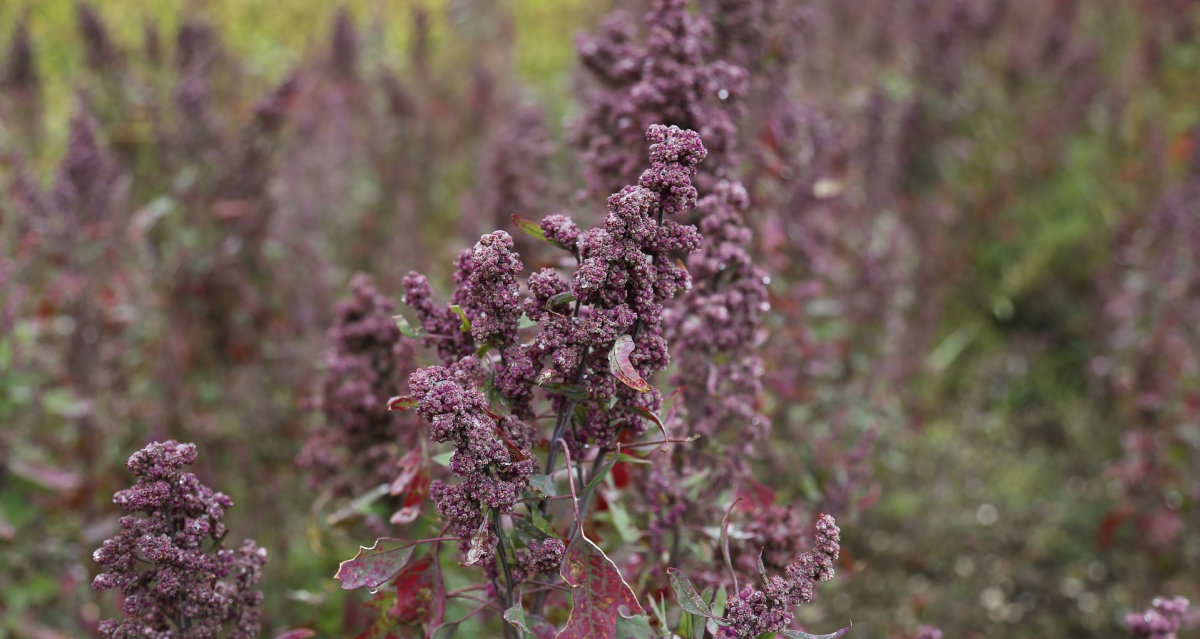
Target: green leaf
pixel 570 391
pixel 465 325
pixel 621 368
pixel 374 566
pixel 601 473
pixel 442 459
pixel 407 329
pixel 561 298
pixel 534 230
pixel 634 627
pixel 623 523
pixel 685 593
pixel 445 631
pixel 542 485
pixel 525 322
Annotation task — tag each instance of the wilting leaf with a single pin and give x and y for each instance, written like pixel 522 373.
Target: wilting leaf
pixel 622 368
pixel 685 593
pixel 800 634
pixel 464 321
pixel 598 593
pixel 407 329
pixel 401 402
pixel 374 566
pixel 480 543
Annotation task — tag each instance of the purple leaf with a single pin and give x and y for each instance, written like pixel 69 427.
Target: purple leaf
pixel 599 593
pixel 374 566
pixel 622 368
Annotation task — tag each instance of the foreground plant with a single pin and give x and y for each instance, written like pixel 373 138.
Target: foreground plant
pixel 574 354
pixel 168 561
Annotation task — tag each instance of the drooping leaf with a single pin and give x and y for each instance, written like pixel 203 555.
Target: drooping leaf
pixel 465 322
pixel 407 329
pixel 685 593
pixel 401 402
pixel 800 634
pixel 652 416
pixel 622 368
pixel 598 593
pixel 374 566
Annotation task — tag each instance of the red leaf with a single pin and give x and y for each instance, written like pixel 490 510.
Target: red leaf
pixel 754 495
pixel 374 566
pixel 413 483
pixel 599 593
pixel 622 368
pixel 402 402
pixel 418 588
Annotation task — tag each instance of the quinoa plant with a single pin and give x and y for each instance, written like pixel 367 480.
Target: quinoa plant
pixel 168 561
pixel 561 373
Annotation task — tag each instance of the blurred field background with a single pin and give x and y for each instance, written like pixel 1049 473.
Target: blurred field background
pixel 1020 458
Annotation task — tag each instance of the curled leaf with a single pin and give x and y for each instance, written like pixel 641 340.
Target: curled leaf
pixel 622 368
pixel 401 402
pixel 375 566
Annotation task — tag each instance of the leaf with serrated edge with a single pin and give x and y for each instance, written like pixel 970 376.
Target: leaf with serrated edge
pixel 622 368
pixel 685 593
pixel 374 566
pixel 800 634
pixel 598 592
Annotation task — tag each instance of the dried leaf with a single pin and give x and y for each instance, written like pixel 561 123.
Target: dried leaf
pixel 598 593
pixel 622 368
pixel 374 566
